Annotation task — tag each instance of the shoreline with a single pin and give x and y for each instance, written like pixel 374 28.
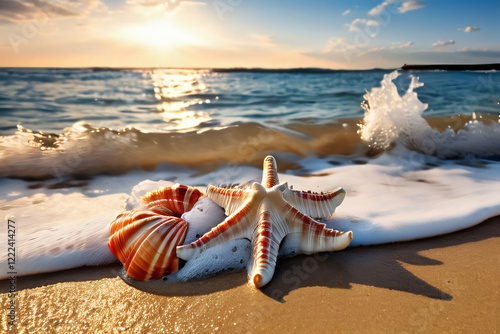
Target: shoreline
pixel 447 283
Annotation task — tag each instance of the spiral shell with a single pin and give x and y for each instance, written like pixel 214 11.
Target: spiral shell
pixel 145 240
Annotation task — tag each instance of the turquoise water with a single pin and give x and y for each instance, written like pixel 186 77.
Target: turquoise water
pixel 82 122
pixel 179 100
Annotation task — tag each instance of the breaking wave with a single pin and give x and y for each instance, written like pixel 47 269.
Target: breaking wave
pixel 391 118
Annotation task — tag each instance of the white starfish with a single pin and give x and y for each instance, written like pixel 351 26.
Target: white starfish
pixel 265 213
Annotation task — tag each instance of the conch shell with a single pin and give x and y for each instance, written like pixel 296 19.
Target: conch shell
pixel 145 240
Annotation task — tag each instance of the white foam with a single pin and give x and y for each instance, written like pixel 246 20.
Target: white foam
pixel 63 228
pixel 393 198
pixel 393 118
pixel 397 198
pixel 59 231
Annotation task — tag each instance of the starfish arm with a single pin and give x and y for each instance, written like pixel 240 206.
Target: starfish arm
pixel 313 204
pixel 229 199
pixel 270 173
pixel 266 241
pixel 315 237
pixel 236 226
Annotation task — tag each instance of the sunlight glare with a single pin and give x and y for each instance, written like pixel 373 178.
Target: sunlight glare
pixel 161 34
pixel 175 91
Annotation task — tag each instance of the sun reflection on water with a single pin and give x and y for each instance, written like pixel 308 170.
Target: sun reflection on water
pixel 176 91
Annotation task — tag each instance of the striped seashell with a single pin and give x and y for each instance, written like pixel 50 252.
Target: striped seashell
pixel 145 240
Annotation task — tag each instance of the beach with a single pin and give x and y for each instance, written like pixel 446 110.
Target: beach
pixel 443 284
pixel 420 177
pixel 249 167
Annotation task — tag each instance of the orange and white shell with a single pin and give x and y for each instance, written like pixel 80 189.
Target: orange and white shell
pixel 145 240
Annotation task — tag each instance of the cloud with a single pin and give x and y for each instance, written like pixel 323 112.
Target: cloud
pixel 264 39
pixel 470 29
pixel 334 43
pixel 346 12
pixel 474 52
pixel 169 5
pixel 17 11
pixel 340 45
pixel 400 45
pixel 152 3
pixel 379 9
pixel 407 6
pixel 358 24
pixel 394 46
pixel 441 44
pixel 361 56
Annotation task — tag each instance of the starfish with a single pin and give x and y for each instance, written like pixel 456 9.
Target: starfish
pixel 265 214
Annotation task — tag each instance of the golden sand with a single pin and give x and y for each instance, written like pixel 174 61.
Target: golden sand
pixel 443 284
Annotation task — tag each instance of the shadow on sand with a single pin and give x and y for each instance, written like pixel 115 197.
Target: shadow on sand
pixel 377 266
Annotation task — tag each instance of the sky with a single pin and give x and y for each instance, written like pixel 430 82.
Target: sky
pixel 247 33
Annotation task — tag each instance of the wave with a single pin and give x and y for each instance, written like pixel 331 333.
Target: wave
pixel 391 118
pixel 84 150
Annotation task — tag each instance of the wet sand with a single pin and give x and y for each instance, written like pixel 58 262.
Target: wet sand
pixel 449 283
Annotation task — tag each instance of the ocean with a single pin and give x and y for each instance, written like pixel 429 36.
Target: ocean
pixel 418 153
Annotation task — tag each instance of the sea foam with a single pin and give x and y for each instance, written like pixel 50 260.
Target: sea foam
pixel 401 195
pixel 394 198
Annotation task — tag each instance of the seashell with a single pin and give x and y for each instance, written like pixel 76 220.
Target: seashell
pixel 145 240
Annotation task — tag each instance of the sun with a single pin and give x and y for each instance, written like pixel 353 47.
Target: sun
pixel 161 34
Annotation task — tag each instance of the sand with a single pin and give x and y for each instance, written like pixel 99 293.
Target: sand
pixel 449 283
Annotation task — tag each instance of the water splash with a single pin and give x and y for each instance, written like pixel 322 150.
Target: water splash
pixel 391 118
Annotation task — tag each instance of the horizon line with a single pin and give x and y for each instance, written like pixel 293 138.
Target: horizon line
pixel 265 69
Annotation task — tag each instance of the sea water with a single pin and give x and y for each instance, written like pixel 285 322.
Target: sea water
pixel 417 153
